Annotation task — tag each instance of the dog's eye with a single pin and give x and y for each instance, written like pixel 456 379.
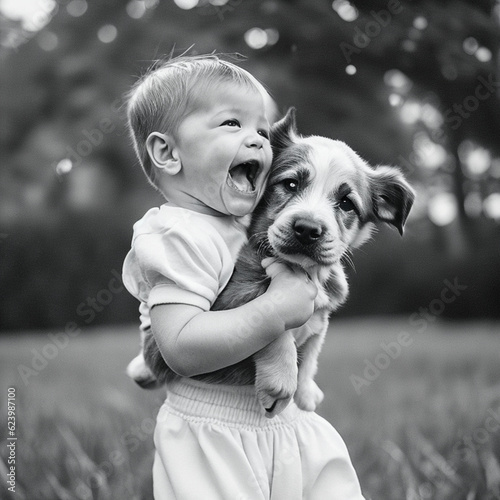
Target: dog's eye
pixel 346 204
pixel 291 185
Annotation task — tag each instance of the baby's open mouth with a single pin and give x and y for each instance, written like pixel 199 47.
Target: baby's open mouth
pixel 242 176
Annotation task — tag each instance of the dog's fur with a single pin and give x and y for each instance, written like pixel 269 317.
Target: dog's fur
pixel 321 201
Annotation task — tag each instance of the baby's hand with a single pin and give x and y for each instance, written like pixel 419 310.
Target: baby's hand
pixel 292 292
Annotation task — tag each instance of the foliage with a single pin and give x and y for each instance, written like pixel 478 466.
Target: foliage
pixel 397 81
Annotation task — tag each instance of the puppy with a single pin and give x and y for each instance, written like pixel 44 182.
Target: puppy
pixel 322 200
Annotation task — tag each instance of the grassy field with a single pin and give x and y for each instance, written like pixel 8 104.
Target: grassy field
pixel 420 412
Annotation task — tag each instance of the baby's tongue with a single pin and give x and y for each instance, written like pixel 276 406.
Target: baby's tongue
pixel 239 177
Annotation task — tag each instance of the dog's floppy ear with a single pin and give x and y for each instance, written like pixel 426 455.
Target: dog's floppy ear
pixel 284 131
pixel 392 196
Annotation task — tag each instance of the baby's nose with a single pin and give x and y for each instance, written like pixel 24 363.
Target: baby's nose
pixel 254 140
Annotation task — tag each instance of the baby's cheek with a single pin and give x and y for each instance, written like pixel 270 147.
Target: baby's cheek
pixel 268 159
pixel 269 152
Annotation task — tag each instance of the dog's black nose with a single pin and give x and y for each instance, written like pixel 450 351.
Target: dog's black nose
pixel 306 231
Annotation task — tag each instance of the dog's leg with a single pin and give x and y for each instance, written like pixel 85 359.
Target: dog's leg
pixel 276 374
pixel 308 395
pixel 139 371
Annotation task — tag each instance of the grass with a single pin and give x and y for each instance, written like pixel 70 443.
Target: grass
pixel 425 426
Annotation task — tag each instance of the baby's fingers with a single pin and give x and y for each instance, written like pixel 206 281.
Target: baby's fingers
pixel 265 263
pixel 275 268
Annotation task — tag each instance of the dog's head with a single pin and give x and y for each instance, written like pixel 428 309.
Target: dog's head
pixel 322 199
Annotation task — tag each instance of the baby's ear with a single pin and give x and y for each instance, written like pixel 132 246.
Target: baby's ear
pixel 162 153
pixel 392 196
pixel 284 131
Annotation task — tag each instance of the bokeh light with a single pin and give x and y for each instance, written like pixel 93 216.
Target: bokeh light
pixel 410 112
pixel 346 10
pixel 64 166
pixel 431 116
pixel 409 46
pixel 107 33
pixel 351 69
pixel 272 36
pixel 395 100
pixel 429 154
pixel 483 54
pixel 442 209
pixel 475 159
pixel 77 8
pixel 492 206
pixel 47 40
pixel 470 45
pixel 136 9
pixel 257 38
pixel 420 23
pixel 414 34
pixel 397 80
pixel 186 4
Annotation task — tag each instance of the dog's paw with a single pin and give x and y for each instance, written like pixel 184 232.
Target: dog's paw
pixel 275 391
pixel 138 371
pixel 308 395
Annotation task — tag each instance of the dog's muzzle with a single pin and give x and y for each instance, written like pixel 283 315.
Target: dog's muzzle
pixel 301 239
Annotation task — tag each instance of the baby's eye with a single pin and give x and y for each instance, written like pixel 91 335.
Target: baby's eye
pixel 231 123
pixel 264 133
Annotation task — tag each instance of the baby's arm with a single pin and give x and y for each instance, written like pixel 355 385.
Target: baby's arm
pixel 193 341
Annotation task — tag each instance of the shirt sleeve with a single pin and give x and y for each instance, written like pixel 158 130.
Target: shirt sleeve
pixel 179 265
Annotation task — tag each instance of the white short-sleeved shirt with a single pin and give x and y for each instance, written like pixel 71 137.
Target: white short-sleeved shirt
pixel 179 256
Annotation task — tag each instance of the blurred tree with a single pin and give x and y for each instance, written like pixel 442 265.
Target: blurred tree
pixel 409 83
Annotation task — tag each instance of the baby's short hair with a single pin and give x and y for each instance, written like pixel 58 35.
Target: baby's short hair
pixel 173 88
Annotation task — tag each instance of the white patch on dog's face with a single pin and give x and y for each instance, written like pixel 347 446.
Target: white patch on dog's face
pixel 323 203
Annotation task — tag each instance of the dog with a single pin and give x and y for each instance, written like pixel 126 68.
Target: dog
pixel 321 201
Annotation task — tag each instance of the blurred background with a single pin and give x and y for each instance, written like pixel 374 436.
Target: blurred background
pixel 410 368
pixel 413 84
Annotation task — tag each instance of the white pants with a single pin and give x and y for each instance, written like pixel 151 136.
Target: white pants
pixel 214 443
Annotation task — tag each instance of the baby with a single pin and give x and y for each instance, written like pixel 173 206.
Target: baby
pixel 201 132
